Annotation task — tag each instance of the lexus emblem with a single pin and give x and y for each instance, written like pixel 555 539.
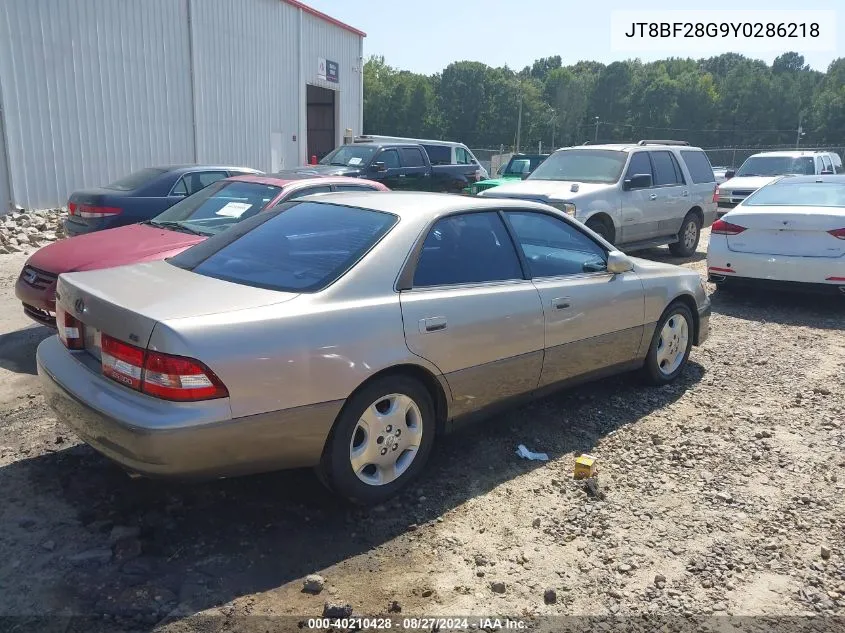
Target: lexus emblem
pixel 79 306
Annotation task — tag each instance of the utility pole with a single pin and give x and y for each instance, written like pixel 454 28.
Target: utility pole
pixel 519 125
pixel 800 132
pixel 597 130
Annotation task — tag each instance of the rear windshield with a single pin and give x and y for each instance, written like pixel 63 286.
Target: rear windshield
pixel 301 247
pixel 582 165
pixel 217 207
pixel 804 194
pixel 777 166
pixel 136 179
pixel 522 165
pixel 349 155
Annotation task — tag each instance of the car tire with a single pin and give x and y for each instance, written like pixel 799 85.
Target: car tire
pixel 670 345
pixel 384 433
pixel 600 226
pixel 688 236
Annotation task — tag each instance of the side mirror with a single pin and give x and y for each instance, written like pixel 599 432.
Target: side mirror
pixel 637 181
pixel 378 166
pixel 618 262
pixel 730 173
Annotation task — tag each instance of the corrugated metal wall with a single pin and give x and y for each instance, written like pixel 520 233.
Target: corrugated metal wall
pixel 92 90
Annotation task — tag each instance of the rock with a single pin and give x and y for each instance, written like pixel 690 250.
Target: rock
pixel 707 583
pixel 536 522
pixel 550 596
pixel 100 556
pixel 481 561
pixel 623 567
pixel 822 391
pixel 49 545
pixel 394 607
pixel 127 549
pixel 825 552
pixel 121 532
pixel 659 579
pixel 337 610
pixel 26 522
pixel 313 583
pixel 427 593
pixel 615 593
pixel 497 587
pixel 724 496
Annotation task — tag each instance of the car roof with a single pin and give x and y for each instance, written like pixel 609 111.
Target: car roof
pixel 420 205
pixel 188 167
pixel 376 138
pixel 838 179
pixel 625 147
pixel 303 180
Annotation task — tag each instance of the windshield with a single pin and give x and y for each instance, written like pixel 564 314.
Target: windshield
pixel 349 155
pixel 799 194
pixel 219 206
pixel 777 166
pixel 303 247
pixel 517 167
pixel 135 179
pixel 582 165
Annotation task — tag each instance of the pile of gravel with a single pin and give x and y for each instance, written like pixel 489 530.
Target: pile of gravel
pixel 23 230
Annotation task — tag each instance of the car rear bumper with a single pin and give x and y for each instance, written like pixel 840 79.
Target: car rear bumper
pixel 158 438
pixel 726 265
pixel 39 304
pixel 78 226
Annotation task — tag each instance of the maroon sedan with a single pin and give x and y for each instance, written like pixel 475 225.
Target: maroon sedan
pixel 188 222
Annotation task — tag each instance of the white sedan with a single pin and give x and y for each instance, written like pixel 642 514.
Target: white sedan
pixel 789 233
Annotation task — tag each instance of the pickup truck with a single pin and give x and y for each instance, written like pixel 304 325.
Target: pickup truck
pixel 518 168
pixel 398 166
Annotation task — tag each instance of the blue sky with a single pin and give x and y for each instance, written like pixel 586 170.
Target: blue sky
pixel 425 36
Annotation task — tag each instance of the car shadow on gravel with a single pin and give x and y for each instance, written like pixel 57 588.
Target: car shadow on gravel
pixel 786 308
pixel 17 349
pixel 199 546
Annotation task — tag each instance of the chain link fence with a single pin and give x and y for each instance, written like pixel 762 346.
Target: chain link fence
pixel 733 157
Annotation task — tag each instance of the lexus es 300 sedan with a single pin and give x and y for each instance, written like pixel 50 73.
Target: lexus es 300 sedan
pixel 344 331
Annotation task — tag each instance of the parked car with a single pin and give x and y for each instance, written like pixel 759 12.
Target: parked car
pixel 439 152
pixel 518 168
pixel 761 169
pixel 399 166
pixel 242 354
pixel 790 233
pixel 140 196
pixel 719 174
pixel 635 196
pixel 186 223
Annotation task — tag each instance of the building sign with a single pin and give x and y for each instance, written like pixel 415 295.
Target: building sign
pixel 331 71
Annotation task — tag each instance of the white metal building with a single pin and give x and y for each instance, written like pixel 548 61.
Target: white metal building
pixel 91 90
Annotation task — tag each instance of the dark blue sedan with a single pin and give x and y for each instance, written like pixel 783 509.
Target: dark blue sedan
pixel 140 196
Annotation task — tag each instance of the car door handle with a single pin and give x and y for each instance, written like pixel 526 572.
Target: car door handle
pixel 432 324
pixel 561 303
pixel 401 175
pixel 685 194
pixel 653 196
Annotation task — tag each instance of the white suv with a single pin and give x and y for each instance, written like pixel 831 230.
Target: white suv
pixel 635 196
pixel 761 169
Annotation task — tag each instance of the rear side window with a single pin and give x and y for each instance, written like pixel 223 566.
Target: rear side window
pixel 411 157
pixel 438 154
pixel 826 164
pixel 302 247
pixel 699 166
pixel 136 179
pixel 665 172
pixel 463 157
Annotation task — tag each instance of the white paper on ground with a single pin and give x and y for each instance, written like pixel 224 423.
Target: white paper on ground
pixel 537 457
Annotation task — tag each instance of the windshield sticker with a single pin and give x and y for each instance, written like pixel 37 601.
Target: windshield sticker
pixel 354 161
pixel 234 209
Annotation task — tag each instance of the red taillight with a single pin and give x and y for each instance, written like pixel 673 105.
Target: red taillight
pixel 179 378
pixel 71 208
pixel 69 328
pixel 90 211
pixel 720 227
pixel 838 233
pixel 160 375
pixel 122 362
pixel 716 194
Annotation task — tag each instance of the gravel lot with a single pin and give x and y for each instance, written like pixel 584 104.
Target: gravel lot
pixel 722 495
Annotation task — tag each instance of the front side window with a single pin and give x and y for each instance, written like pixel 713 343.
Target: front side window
pixel 582 165
pixel 219 206
pixel 553 247
pixel 467 248
pixel 301 247
pixel 639 165
pixel 390 158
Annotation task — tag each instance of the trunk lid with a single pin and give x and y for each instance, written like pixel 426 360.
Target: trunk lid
pixel 128 301
pixel 789 231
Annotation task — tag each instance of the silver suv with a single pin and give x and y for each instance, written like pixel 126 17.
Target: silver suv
pixel 635 196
